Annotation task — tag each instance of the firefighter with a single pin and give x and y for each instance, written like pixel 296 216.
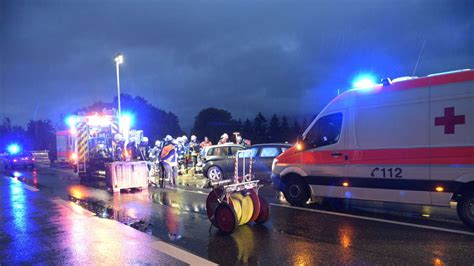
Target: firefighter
pixel 178 142
pixel 169 160
pixel 194 150
pixel 205 143
pixel 143 149
pixel 132 150
pixel 186 152
pixel 154 152
pixel 202 147
pixel 224 139
pixel 156 167
pixel 119 143
pixel 241 141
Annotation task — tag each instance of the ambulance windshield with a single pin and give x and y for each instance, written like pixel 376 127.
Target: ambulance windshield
pixel 326 131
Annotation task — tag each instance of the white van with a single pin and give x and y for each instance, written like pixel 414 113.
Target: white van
pixel 410 140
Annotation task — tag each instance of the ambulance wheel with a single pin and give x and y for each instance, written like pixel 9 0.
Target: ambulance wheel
pixel 264 213
pixel 214 173
pixel 296 191
pixel 465 210
pixel 226 218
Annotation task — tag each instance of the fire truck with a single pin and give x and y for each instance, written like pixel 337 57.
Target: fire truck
pixel 102 138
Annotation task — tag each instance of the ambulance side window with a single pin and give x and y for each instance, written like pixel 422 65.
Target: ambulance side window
pixel 326 131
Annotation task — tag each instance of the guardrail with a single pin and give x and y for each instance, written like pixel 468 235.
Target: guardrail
pixel 41 157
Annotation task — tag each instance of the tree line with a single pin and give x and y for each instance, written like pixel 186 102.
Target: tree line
pixel 38 135
pixel 213 122
pixel 156 124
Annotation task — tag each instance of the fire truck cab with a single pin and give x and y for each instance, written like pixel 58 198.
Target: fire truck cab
pixel 409 140
pixel 96 140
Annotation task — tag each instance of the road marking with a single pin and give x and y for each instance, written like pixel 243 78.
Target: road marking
pixel 379 220
pixel 30 188
pixel 180 254
pixel 72 206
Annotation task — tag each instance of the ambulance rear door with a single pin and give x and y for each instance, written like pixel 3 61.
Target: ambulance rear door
pixel 451 133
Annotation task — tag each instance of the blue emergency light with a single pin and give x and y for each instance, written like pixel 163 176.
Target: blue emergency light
pixel 364 81
pixel 13 148
pixel 126 120
pixel 70 121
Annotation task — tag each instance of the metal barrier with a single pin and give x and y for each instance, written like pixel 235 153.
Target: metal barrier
pixel 126 175
pixel 41 157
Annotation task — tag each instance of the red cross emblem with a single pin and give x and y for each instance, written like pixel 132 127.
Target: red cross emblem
pixel 449 120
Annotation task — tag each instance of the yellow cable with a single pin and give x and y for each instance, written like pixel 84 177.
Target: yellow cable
pixel 236 204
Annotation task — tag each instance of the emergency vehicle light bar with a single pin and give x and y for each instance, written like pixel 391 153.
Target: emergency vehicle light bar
pixel 96 120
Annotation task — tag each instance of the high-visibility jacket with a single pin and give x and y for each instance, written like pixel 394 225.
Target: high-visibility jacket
pixel 168 155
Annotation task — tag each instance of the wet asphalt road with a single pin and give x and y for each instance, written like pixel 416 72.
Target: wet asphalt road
pixel 328 233
pixel 38 230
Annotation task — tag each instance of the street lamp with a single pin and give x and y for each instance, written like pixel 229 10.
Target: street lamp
pixel 118 60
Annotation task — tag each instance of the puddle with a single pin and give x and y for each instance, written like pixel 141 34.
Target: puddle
pixel 102 211
pixel 131 217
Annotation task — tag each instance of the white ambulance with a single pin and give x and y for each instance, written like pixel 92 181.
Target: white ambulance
pixel 410 140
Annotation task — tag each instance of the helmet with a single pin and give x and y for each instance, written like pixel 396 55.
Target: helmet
pixel 144 140
pixel 193 138
pixel 168 138
pixel 118 137
pixel 157 143
pixel 224 136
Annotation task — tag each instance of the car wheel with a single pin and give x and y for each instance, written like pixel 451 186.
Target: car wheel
pixel 465 209
pixel 214 173
pixel 296 191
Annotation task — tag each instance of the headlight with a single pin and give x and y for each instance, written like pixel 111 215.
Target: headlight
pixel 275 161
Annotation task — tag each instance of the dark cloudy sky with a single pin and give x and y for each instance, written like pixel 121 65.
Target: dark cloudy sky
pixel 285 57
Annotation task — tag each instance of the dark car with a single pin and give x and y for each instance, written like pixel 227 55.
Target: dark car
pixel 24 160
pixel 222 166
pixel 219 161
pixel 263 155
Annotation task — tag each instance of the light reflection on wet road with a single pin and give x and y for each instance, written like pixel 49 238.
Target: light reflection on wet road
pixel 291 237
